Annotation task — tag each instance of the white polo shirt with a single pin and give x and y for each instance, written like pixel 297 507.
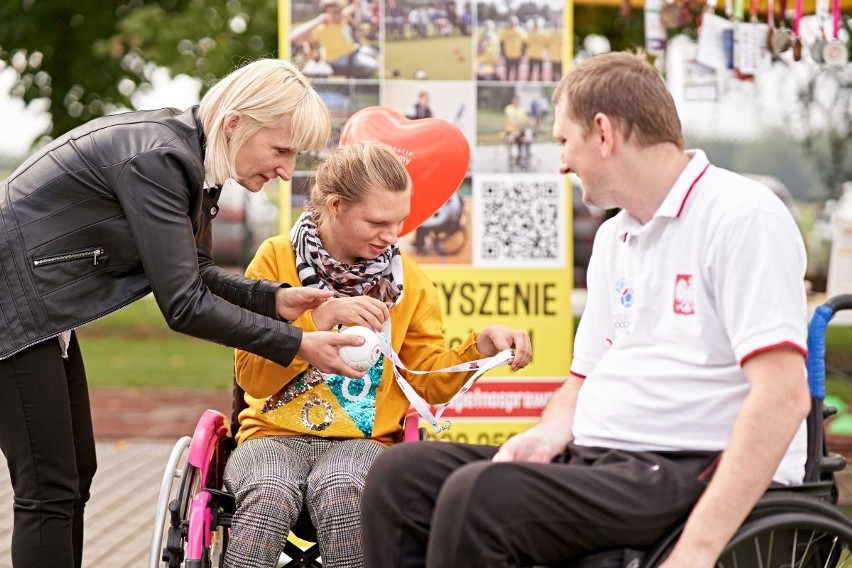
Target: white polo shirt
pixel 674 308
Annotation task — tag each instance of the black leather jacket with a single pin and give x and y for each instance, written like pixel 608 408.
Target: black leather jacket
pixel 111 211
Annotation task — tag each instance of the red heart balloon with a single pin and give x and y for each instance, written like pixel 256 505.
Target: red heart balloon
pixel 435 153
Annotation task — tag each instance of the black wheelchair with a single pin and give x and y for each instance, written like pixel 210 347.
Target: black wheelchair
pixel 791 526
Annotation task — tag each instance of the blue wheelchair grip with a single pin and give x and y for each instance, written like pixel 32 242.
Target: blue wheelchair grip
pixel 816 350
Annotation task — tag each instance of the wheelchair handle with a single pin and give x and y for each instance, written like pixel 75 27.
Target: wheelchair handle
pixel 816 341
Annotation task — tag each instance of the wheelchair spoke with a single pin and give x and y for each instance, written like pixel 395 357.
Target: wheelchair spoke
pixel 757 553
pixel 830 553
pixel 769 549
pixel 795 549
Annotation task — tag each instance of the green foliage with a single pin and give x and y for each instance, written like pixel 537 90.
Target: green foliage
pixel 838 356
pixel 625 30
pixel 822 122
pixel 89 59
pixel 202 38
pixel 50 46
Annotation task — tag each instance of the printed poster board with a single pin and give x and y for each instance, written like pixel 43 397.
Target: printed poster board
pixel 499 251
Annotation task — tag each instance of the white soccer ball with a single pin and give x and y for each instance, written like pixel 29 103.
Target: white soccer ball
pixel 361 357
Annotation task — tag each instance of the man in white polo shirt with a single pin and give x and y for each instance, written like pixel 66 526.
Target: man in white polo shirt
pixel 692 342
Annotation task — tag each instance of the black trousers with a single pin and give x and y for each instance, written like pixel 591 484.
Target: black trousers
pixel 445 505
pixel 47 438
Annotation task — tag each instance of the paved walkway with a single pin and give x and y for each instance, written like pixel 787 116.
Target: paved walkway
pixel 119 516
pixel 136 430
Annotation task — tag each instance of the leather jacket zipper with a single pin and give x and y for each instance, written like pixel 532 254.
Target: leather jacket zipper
pixel 67 257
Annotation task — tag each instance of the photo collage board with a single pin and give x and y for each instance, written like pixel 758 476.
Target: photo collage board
pixel 487 67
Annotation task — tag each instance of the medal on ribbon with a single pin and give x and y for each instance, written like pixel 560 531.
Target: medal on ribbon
pixel 835 52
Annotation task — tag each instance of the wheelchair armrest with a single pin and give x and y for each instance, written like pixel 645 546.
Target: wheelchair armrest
pixel 222 499
pixel 832 463
pixel 823 490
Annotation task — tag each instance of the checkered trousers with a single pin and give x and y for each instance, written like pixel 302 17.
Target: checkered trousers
pixel 273 477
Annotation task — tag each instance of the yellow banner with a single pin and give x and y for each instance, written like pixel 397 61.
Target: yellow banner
pixel 481 432
pixel 537 300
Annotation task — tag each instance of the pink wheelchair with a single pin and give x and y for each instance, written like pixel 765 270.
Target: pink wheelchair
pixel 194 510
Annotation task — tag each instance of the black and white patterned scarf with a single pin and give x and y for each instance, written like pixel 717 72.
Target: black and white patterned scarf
pixel 379 278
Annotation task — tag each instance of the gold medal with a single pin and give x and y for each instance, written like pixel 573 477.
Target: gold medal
pixel 778 39
pixel 781 40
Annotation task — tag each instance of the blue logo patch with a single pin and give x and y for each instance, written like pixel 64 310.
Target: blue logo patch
pixel 625 293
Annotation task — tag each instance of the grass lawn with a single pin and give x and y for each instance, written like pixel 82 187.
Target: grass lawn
pixel 441 58
pixel 135 347
pixel 490 125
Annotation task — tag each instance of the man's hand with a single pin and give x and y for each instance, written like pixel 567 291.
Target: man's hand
pixel 357 310
pixel 535 445
pixel 290 303
pixel 322 350
pixel 550 435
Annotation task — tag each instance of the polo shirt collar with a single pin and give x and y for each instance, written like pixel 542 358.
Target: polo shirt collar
pixel 675 200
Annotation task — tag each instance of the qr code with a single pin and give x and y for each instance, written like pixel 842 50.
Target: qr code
pixel 519 220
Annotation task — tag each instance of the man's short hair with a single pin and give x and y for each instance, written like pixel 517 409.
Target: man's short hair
pixel 627 88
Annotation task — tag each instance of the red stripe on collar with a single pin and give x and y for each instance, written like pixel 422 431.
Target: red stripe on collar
pixel 689 191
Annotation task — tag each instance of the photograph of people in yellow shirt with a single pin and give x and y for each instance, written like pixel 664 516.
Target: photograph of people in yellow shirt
pixel 513 46
pixel 333 44
pixel 537 39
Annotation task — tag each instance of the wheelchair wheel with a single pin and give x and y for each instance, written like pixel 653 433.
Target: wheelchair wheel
pixel 176 512
pixel 175 469
pixel 784 530
pixel 790 539
pixel 448 243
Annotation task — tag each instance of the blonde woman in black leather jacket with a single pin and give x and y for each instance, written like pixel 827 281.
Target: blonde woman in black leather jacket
pixel 109 212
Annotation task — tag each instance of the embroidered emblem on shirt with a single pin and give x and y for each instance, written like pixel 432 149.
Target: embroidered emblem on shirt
pixel 625 293
pixel 684 295
pixel 622 316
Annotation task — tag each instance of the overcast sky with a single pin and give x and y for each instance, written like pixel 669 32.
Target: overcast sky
pixel 21 125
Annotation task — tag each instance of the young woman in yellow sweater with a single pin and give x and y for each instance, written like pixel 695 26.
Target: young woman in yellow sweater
pixel 308 440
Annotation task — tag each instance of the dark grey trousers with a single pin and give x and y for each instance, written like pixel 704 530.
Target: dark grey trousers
pixel 445 505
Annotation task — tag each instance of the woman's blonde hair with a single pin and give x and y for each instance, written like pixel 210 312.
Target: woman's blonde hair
pixel 352 171
pixel 267 93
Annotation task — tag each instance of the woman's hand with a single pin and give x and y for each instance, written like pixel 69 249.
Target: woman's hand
pixel 322 350
pixel 290 303
pixel 357 310
pixel 496 338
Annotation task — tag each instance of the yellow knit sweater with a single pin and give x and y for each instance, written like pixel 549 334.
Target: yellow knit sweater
pixel 294 400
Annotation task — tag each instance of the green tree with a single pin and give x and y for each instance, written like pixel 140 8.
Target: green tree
pixel 822 122
pixel 88 57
